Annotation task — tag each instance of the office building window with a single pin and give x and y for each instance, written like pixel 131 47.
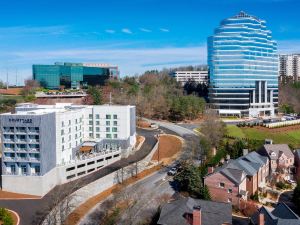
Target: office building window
pixel 91 135
pixel 90 122
pixel 90 116
pixel 62 132
pixel 115 123
pixel 69 122
pixel 62 124
pixel 108 117
pixel 97 135
pixel 115 135
pixel 107 123
pixel 97 129
pixel 115 129
pixel 107 129
pixel 108 135
pixel 63 140
pixel 115 116
pixel 97 116
pixel 98 123
pixel 90 128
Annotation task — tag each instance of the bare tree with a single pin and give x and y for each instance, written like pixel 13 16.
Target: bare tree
pixel 213 129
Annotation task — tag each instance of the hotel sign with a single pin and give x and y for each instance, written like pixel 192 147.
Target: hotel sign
pixel 19 120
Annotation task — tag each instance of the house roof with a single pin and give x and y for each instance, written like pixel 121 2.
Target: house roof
pixel 236 170
pixel 279 149
pixel 216 213
pixel 280 215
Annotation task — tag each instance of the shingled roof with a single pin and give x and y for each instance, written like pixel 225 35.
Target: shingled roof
pixel 278 149
pixel 216 213
pixel 280 215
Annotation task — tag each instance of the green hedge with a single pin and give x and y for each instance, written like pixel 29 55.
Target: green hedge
pixel 5 217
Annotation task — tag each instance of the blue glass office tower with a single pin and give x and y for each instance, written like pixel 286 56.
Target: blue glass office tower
pixel 243 63
pixel 72 75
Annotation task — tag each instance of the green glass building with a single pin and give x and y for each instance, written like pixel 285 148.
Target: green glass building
pixel 69 75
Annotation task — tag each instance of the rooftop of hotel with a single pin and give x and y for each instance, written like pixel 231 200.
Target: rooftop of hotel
pixel 35 109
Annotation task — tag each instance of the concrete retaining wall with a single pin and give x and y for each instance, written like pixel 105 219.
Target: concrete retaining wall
pixel 83 194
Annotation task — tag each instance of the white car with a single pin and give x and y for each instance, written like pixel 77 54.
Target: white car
pixel 172 171
pixel 291 181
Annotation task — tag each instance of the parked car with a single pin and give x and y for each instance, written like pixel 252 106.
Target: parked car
pixel 172 171
pixel 291 181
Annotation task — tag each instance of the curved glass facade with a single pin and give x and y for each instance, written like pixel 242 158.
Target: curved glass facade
pixel 243 63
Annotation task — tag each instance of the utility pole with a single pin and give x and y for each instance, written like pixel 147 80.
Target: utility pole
pixel 16 77
pixel 6 78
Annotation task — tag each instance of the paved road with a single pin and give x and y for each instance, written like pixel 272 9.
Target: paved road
pixel 152 187
pixel 29 209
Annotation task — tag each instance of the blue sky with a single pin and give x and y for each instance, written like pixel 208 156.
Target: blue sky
pixel 135 34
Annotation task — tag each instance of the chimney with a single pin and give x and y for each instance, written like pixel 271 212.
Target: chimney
pixel 261 219
pixel 197 215
pixel 210 169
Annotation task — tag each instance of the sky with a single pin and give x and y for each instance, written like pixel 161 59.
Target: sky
pixel 137 35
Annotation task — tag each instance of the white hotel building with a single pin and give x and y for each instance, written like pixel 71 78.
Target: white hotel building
pixel 47 145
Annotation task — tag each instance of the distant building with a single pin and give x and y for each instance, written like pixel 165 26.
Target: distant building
pixel 73 75
pixel 289 68
pixel 243 64
pixel 47 145
pixel 280 215
pixel 190 211
pixel 197 76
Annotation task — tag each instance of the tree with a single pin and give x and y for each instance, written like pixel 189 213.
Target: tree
pixel 213 129
pixel 31 86
pixel 296 195
pixel 204 193
pixel 96 95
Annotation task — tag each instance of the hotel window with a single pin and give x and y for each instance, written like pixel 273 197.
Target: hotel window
pixel 90 122
pixel 62 124
pixel 91 135
pixel 69 122
pixel 98 123
pixel 114 129
pixel 90 116
pixel 107 123
pixel 108 135
pixel 69 145
pixel 76 121
pixel 108 117
pixel 97 129
pixel 62 147
pixel 24 169
pixel 62 132
pixel 107 129
pixel 115 123
pixel 69 129
pixel 97 135
pixel 63 140
pixel 97 116
pixel 222 185
pixel 115 116
pixel 115 135
pixel 90 129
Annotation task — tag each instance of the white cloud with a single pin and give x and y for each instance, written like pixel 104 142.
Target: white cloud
pixel 145 30
pixel 110 31
pixel 164 30
pixel 126 31
pixel 31 30
pixel 289 46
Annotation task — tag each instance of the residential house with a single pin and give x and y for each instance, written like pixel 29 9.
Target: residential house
pixel 280 215
pixel 190 211
pixel 281 157
pixel 238 179
pixel 297 163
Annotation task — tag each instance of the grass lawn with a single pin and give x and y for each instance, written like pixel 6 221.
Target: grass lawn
pixel 291 137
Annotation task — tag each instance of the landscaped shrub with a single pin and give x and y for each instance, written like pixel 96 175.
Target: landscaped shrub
pixel 281 185
pixel 254 197
pixel 5 217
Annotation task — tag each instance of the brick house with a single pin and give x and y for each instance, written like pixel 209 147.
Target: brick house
pixel 281 157
pixel 238 179
pixel 297 163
